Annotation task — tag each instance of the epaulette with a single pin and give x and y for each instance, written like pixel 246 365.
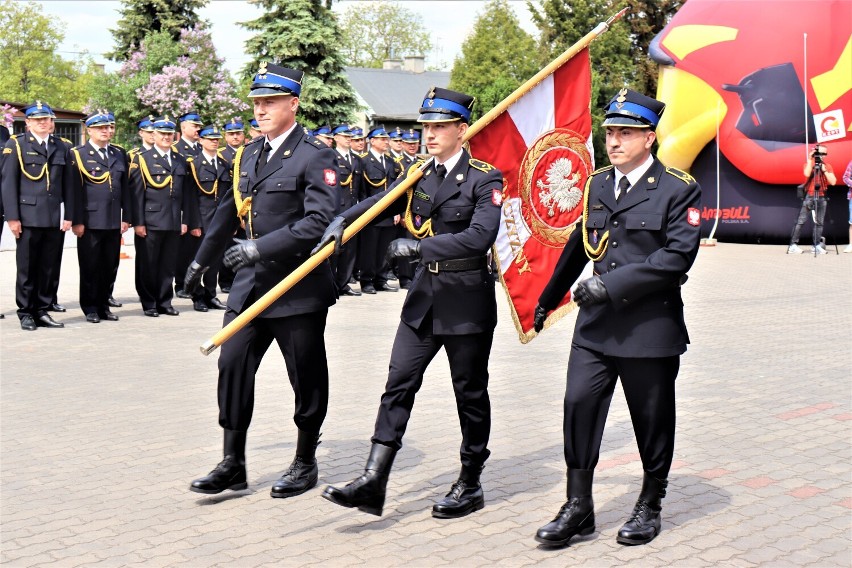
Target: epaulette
pixel 364 155
pixel 175 148
pixel 416 165
pixel 118 146
pixel 480 165
pixel 315 142
pixel 603 169
pixel 66 141
pixel 398 159
pixel 14 136
pixel 254 140
pixel 681 175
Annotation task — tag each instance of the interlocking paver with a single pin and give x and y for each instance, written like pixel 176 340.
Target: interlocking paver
pixel 102 427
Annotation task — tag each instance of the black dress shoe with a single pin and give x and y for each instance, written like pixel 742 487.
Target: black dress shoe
pixel 56 308
pixel 183 294
pixel 27 323
pixel 93 318
pixel 229 474
pixel 152 313
pixel 463 499
pixel 368 289
pixel 109 316
pixel 385 287
pixel 199 306
pixel 47 321
pixel 113 303
pixel 301 476
pixel 170 311
pixel 216 304
pixel 576 517
pixel 349 292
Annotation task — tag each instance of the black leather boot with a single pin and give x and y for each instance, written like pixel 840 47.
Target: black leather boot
pixel 368 491
pixel 231 471
pixel 577 515
pixel 303 472
pixel 464 497
pixel 644 523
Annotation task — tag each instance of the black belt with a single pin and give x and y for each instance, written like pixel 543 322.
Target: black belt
pixel 457 264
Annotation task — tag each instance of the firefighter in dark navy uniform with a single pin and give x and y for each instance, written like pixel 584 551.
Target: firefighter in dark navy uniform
pixel 163 208
pixel 36 182
pixel 351 180
pixel 103 213
pixel 379 173
pixel 455 209
pixel 235 137
pixel 189 147
pixel 285 192
pixel 210 178
pixel 640 228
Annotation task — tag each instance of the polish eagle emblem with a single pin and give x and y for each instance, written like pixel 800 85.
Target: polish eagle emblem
pixel 561 191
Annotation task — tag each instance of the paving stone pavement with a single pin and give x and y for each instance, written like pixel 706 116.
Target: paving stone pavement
pixel 102 428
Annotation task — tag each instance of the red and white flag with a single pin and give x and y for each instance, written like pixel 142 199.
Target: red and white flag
pixel 543 146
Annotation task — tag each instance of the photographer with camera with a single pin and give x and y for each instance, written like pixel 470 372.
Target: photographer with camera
pixel 819 176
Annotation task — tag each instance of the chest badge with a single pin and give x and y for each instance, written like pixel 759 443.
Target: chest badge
pixel 595 237
pixel 418 221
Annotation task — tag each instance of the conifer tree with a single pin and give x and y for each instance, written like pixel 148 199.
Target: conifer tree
pixel 142 17
pixel 304 35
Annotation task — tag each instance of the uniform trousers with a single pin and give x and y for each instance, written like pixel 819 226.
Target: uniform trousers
pixel 343 264
pixel 413 350
pixel 301 340
pixel 649 389
pixel 39 256
pixel 372 252
pixel 155 268
pixel 187 248
pixel 97 254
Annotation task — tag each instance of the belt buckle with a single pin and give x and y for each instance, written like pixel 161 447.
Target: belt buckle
pixel 432 266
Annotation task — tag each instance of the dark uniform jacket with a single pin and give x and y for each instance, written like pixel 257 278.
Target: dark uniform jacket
pixel 228 153
pixel 350 177
pixel 35 202
pixel 209 183
pixel 185 150
pixel 162 208
pixel 101 203
pixel 465 214
pixel 651 239
pixel 377 178
pixel 294 197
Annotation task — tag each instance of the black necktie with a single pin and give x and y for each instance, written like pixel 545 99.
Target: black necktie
pixel 43 146
pixel 347 159
pixel 441 171
pixel 264 155
pixel 623 185
pixel 103 154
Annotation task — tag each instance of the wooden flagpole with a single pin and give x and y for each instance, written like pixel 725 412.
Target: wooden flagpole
pixel 392 195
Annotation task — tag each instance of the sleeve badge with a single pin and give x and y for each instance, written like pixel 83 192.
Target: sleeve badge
pixel 330 177
pixel 693 216
pixel 497 197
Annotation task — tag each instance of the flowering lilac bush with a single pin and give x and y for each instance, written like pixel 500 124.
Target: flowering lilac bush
pixel 8 115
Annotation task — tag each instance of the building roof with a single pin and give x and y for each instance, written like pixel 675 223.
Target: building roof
pixel 394 94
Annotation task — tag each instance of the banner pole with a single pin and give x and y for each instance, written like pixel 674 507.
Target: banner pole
pixel 392 195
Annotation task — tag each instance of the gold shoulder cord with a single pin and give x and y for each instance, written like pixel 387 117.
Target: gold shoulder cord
pixel 146 176
pixel 243 205
pixel 378 184
pixel 594 254
pixel 24 170
pixel 348 182
pixel 106 177
pixel 214 192
pixel 426 229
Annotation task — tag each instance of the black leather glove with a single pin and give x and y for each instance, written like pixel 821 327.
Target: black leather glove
pixel 538 318
pixel 403 247
pixel 193 277
pixel 590 291
pixel 334 232
pixel 244 253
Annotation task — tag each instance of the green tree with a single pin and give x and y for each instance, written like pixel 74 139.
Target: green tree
pixel 303 35
pixel 647 19
pixel 31 67
pixel 375 31
pixel 563 23
pixel 142 17
pixel 491 74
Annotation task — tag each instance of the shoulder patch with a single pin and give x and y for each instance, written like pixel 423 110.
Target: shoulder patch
pixel 480 165
pixel 681 175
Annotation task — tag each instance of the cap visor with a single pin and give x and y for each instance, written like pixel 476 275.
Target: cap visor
pixel 437 117
pixel 267 92
pixel 624 121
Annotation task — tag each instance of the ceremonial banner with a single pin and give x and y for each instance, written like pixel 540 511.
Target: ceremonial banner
pixel 543 146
